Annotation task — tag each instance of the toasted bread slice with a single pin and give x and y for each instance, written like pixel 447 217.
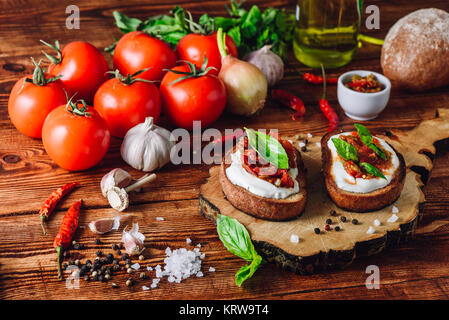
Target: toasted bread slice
pixel 266 208
pixel 361 202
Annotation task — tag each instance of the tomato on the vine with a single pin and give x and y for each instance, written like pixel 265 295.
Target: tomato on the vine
pixel 189 94
pixel 32 98
pixel 81 66
pixel 137 50
pixel 193 47
pixel 124 102
pixel 75 136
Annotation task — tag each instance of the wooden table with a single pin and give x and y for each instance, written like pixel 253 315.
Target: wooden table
pixel 416 270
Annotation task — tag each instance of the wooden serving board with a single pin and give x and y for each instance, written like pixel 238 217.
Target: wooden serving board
pixel 331 249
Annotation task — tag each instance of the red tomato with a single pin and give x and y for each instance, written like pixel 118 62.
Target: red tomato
pixel 75 142
pixel 137 50
pixel 125 105
pixel 83 69
pixel 193 47
pixel 29 104
pixel 201 98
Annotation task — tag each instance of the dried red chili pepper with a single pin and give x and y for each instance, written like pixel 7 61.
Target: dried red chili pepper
pixel 326 109
pixel 66 231
pixel 52 200
pixel 314 79
pixel 289 100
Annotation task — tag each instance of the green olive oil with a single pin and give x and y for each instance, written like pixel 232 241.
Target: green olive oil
pixel 326 32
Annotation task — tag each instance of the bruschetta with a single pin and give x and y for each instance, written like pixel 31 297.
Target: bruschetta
pixel 361 172
pixel 264 189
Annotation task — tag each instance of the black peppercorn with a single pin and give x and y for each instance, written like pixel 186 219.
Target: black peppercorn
pixel 317 230
pixel 328 221
pixel 95 277
pixel 355 221
pixel 118 252
pixel 109 258
pixel 102 278
pixel 99 253
pixel 97 241
pixel 343 219
pixel 125 257
pixel 115 247
pixel 333 213
pixel 337 228
pixel 128 261
pixel 303 149
pixel 76 246
pixel 64 266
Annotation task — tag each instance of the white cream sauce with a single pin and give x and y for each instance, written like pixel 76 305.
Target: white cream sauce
pixel 240 177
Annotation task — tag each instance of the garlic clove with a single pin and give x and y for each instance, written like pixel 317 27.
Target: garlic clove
pixel 133 240
pixel 115 178
pixel 106 225
pixel 118 198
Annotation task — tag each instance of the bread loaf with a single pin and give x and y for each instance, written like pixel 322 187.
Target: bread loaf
pixel 415 54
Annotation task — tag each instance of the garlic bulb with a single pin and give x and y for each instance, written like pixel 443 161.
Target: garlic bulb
pixel 147 146
pixel 268 62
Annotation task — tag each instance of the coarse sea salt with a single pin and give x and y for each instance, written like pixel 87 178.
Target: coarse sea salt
pixel 370 230
pixel 180 264
pixel 301 144
pixel 145 288
pixel 159 219
pixel 395 209
pixel 135 266
pixel 309 135
pixel 318 144
pixel 150 268
pixel 188 241
pixel 393 218
pixel 211 269
pixel 376 223
pixel 294 238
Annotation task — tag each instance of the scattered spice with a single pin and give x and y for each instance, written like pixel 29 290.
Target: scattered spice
pixel 51 202
pixel 333 213
pixel 355 221
pixel 337 228
pixel 67 229
pixel 317 230
pixel 343 219
pixel 328 221
pixel 327 227
pixel 291 101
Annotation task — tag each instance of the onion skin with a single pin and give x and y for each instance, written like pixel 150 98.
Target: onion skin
pixel 246 86
pixel 268 62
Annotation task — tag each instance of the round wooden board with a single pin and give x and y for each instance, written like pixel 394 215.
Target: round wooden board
pixel 330 249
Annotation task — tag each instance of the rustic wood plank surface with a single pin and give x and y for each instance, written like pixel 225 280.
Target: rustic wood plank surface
pixel 416 270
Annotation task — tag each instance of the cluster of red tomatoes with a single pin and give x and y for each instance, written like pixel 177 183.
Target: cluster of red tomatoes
pixel 76 135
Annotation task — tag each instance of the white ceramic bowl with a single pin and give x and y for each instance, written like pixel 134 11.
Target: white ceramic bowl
pixel 359 105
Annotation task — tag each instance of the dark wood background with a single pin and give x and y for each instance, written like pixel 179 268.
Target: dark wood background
pixel 416 270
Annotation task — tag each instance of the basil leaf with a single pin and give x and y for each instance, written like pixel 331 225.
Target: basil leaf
pixel 126 24
pixel 378 151
pixel 247 271
pixel 367 140
pixel 372 170
pixel 346 150
pixel 364 134
pixel 268 148
pixel 235 238
pixel 234 33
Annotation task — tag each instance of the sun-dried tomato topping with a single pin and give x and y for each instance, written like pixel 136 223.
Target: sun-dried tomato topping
pixel 365 154
pixel 253 163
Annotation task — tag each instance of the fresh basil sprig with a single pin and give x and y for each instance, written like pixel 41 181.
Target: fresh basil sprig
pixel 268 148
pixel 372 170
pixel 346 150
pixel 237 240
pixel 367 140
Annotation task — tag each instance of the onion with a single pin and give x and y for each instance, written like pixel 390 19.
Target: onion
pixel 268 62
pixel 246 85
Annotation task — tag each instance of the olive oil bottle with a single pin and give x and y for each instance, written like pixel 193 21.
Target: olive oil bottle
pixel 326 32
